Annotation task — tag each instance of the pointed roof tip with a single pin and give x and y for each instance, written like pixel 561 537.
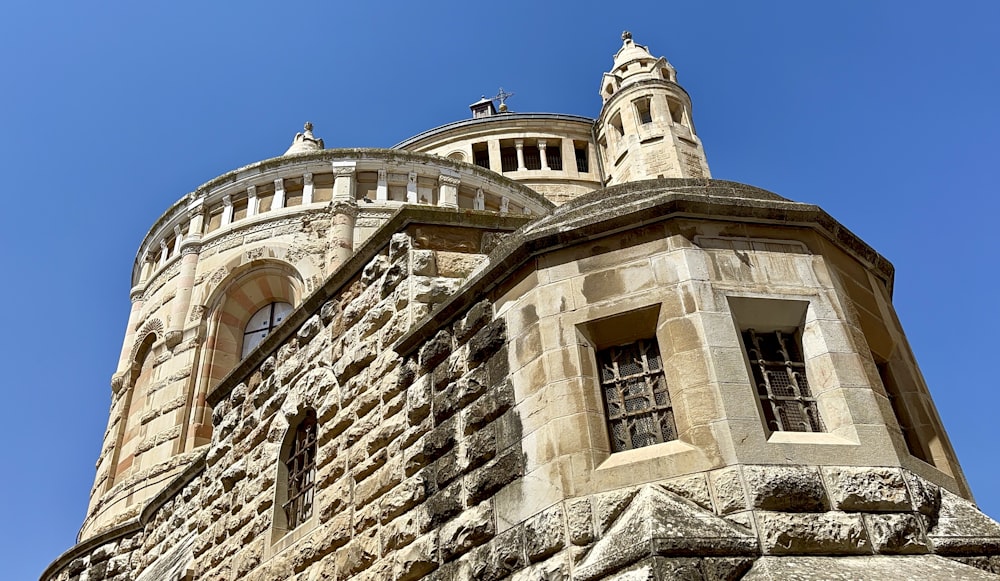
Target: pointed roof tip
pixel 305 142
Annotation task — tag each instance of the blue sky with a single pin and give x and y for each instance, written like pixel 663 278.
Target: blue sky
pixel 883 113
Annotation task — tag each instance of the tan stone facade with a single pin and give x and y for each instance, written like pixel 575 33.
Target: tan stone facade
pixel 490 373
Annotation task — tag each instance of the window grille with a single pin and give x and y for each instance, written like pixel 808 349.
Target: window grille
pixel 582 164
pixel 780 374
pixel 481 158
pixel 554 156
pixel 635 396
pixel 262 323
pixel 301 467
pixel 508 159
pixel 532 157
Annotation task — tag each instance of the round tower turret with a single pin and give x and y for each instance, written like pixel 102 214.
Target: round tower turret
pixel 645 129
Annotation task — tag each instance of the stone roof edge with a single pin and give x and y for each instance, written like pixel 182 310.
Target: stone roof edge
pixel 546 235
pixel 356 153
pixel 132 525
pixel 491 119
pixel 404 217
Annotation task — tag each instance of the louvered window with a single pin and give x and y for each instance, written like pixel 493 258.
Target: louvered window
pixel 635 396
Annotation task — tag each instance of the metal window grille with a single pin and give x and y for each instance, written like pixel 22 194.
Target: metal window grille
pixel 301 466
pixel 554 157
pixel 780 374
pixel 635 396
pixel 581 160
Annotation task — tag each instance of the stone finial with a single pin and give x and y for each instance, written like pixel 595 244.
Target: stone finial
pixel 626 36
pixel 305 142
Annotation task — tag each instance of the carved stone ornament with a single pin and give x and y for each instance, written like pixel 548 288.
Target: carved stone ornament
pixel 305 142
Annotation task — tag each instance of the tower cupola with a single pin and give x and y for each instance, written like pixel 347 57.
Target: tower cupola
pixel 305 141
pixel 645 129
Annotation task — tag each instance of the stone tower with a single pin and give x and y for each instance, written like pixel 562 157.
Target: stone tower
pixel 510 348
pixel 645 129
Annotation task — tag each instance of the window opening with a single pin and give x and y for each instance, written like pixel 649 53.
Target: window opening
pixel 642 111
pixel 619 129
pixel 910 436
pixel 481 155
pixel 532 157
pixel 676 111
pixel 508 159
pixel 779 372
pixel 553 155
pixel 635 394
pixel 262 323
pixel 301 465
pixel 582 159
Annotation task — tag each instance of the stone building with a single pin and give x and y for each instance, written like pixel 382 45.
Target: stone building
pixel 519 346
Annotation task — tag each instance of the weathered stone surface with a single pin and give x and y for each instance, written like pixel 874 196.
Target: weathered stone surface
pixel 926 496
pixel 661 568
pixel 470 529
pixel 785 488
pixel 828 533
pixel 417 560
pixel 729 495
pixel 485 481
pixel 872 568
pixel 962 529
pixel 657 523
pixel 867 489
pixel 435 351
pixel 896 533
pixel 580 521
pixel 544 534
pixel 693 488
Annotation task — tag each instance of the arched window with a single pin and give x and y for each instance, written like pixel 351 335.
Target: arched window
pixel 300 471
pixel 262 323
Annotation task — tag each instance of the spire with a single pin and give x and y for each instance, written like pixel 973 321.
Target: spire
pixel 305 142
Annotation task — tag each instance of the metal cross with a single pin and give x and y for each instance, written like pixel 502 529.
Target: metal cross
pixel 502 96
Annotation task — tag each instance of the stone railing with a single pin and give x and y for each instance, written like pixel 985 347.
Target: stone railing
pixel 379 181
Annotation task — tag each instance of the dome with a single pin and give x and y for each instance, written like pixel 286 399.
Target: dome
pixel 630 52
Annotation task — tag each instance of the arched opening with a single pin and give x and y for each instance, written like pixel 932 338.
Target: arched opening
pixel 296 480
pixel 130 428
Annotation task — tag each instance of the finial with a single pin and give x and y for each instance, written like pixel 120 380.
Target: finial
pixel 305 141
pixel 626 36
pixel 308 126
pixel 502 96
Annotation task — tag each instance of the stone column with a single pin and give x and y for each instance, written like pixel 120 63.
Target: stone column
pixel 163 252
pixel 480 202
pixel 251 201
pixel 542 154
pixel 177 240
pixel 227 210
pixel 343 181
pixel 345 213
pixel 411 188
pixel 307 189
pixel 145 267
pixel 496 164
pixel 382 188
pixel 279 194
pixel 519 145
pixel 120 376
pixel 448 189
pixel 190 251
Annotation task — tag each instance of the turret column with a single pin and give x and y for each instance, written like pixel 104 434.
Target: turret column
pixel 190 250
pixel 345 213
pixel 519 146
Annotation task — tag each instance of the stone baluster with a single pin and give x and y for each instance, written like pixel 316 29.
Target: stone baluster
pixel 448 189
pixel 307 189
pixel 542 154
pixel 519 145
pixel 279 194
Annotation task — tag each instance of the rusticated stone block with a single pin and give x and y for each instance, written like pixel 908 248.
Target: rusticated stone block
pixel 544 534
pixel 477 316
pixel 867 489
pixel 478 448
pixel 828 533
pixel 489 340
pixel 470 529
pixel 418 400
pixel 926 496
pixel 435 351
pixel 484 482
pixel 693 488
pixel 405 529
pixel 358 554
pixel 444 504
pixel 488 407
pixel 416 560
pixel 785 488
pixel 499 558
pixel 580 521
pixel 610 506
pixel 407 495
pixel 457 395
pixel 961 529
pixel 896 533
pixel 729 495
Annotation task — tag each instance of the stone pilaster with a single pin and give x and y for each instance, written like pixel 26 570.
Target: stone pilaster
pixel 448 190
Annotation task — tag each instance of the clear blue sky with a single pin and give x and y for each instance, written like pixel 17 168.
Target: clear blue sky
pixel 883 113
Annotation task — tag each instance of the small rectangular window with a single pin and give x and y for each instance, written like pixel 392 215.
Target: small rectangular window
pixel 582 158
pixel 553 155
pixel 676 111
pixel 779 372
pixel 508 159
pixel 642 111
pixel 635 395
pixel 481 155
pixel 301 467
pixel 532 157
